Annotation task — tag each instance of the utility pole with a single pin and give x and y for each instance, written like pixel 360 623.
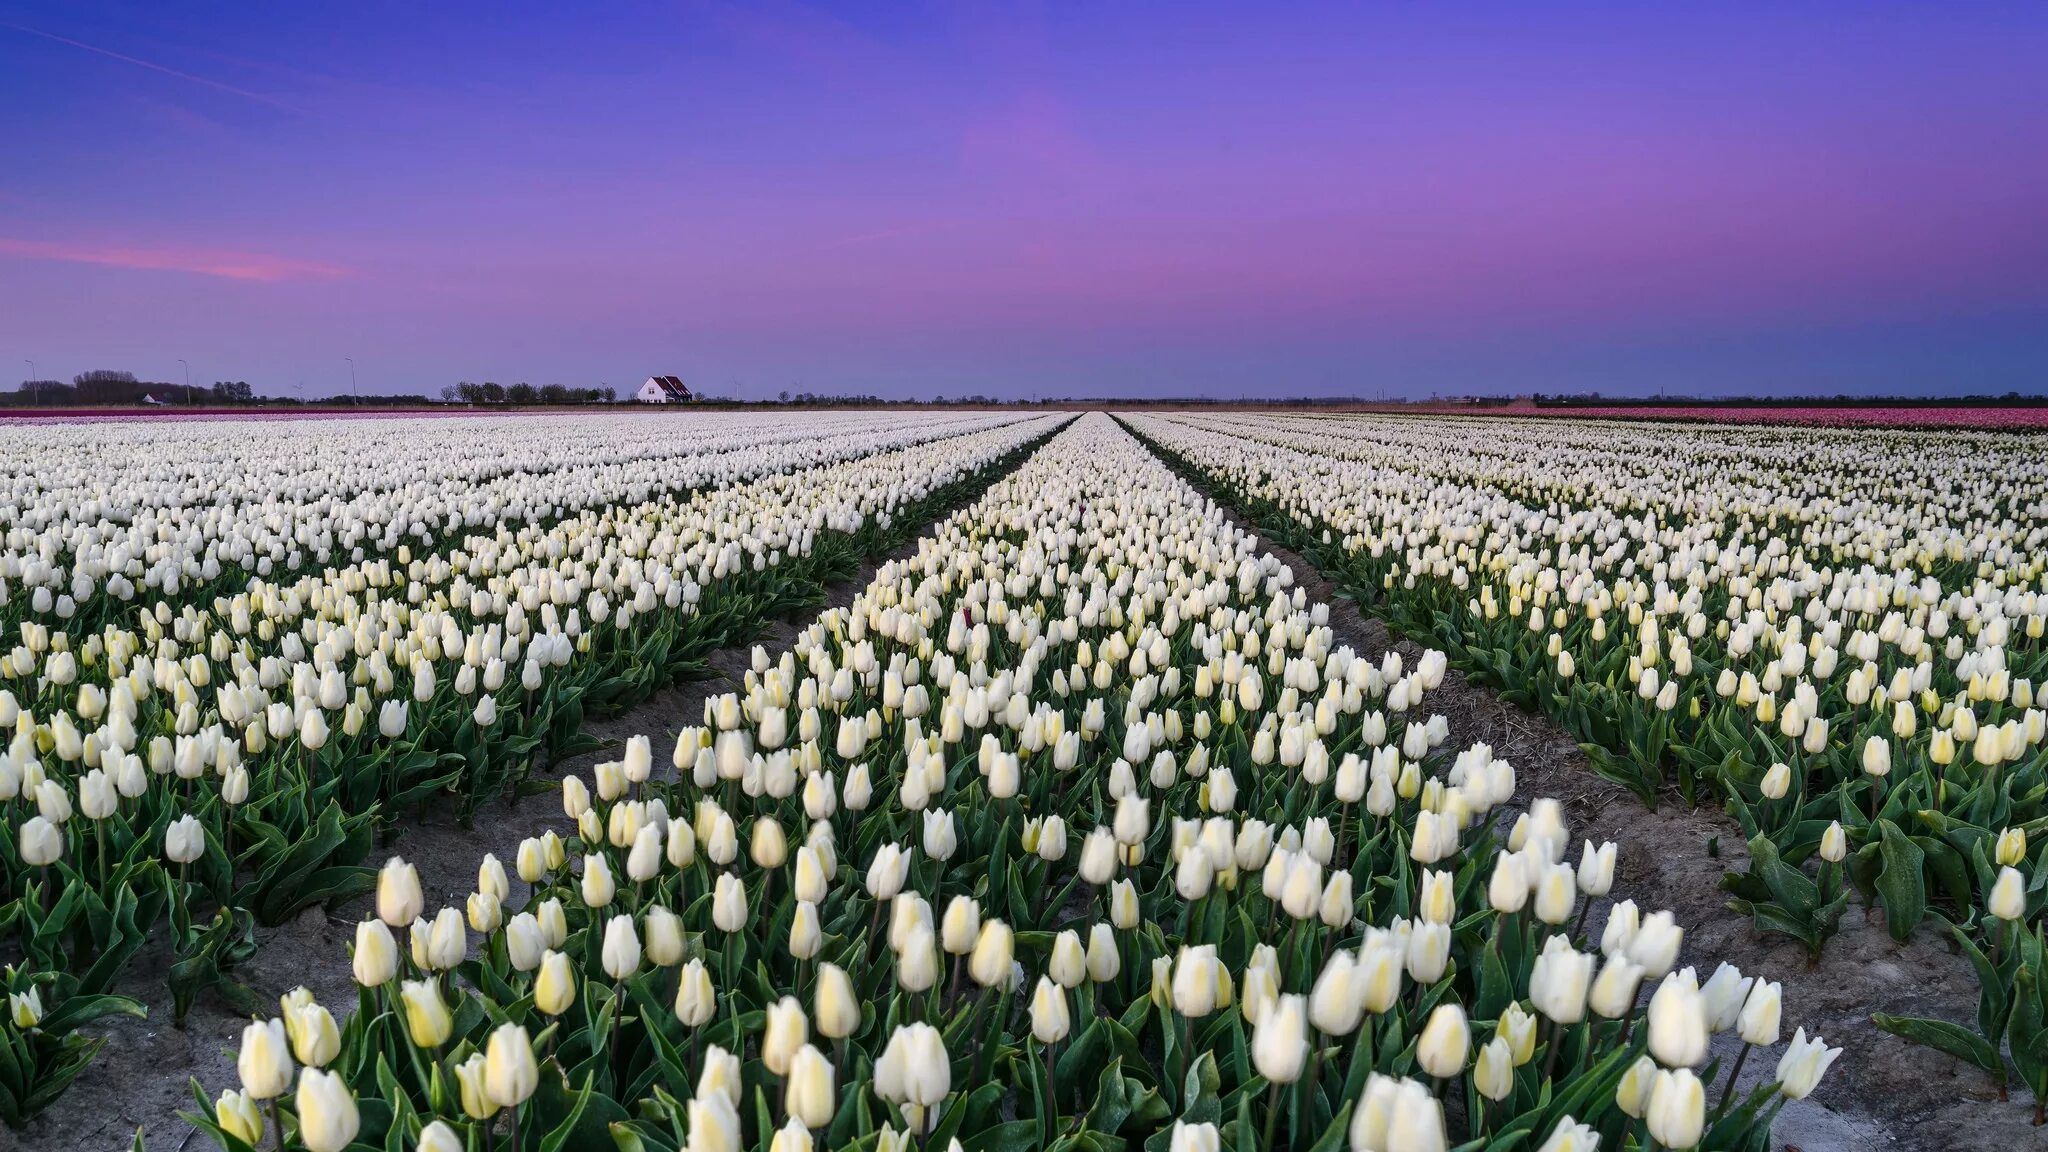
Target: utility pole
pixel 33 389
pixel 354 393
pixel 188 383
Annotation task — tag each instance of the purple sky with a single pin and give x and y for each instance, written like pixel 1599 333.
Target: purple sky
pixel 1081 199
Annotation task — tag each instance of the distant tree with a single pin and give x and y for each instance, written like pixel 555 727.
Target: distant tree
pixel 232 392
pixel 39 392
pixel 522 394
pixel 610 394
pixel 105 386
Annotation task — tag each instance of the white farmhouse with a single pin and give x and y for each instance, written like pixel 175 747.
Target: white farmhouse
pixel 662 390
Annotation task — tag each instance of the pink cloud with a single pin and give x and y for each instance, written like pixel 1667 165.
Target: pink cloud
pixel 228 265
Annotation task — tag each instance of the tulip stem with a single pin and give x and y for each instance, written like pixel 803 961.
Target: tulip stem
pixel 1052 1087
pixel 1556 1042
pixel 1272 1112
pixel 277 1122
pixel 1728 1089
pixel 618 1062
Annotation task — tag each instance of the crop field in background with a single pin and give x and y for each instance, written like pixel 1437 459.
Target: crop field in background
pixel 1020 779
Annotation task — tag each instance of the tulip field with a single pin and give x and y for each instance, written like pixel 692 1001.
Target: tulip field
pixel 1079 827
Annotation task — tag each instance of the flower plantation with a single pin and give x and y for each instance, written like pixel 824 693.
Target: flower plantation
pixel 1078 828
pixel 222 691
pixel 1838 636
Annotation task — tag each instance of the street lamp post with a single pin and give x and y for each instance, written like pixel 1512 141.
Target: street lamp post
pixel 354 393
pixel 188 383
pixel 33 391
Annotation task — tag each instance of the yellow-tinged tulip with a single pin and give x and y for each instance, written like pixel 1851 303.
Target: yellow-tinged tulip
pixel 376 954
pixel 472 1081
pixel 914 1067
pixel 1834 843
pixel 553 922
pixel 714 1124
pixel 1678 1022
pixel 664 937
pixel 786 1031
pixel 1571 1136
pixel 1803 1064
pixel 835 1002
pixel 598 885
pixel 438 1137
pixel 1123 905
pixel 239 1116
pixel 532 860
pixel 41 842
pixel 1104 963
pixel 809 1097
pixel 2012 847
pixel 327 1112
pixel 510 1072
pixel 25 1008
pixel 1493 1073
pixel 1049 1017
pixel 993 953
pixel 2008 898
pixel 729 903
pixel 315 1039
pixel 769 847
pixel 1632 1095
pixel 1445 1039
pixel 1518 1028
pixel 427 1019
pixel 1758 1023
pixel 184 841
pixel 554 990
pixel 1678 1109
pixel 399 900
pixel 1280 1040
pixel 621 950
pixel 696 1000
pixel 792 1137
pixel 445 942
pixel 265 1060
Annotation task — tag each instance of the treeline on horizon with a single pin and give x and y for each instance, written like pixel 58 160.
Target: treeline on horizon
pixel 105 388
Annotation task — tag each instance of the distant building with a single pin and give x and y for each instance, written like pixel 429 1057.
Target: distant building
pixel 662 390
pixel 154 400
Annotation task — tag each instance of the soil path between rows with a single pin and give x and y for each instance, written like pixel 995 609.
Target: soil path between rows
pixel 142 1077
pixel 1882 1092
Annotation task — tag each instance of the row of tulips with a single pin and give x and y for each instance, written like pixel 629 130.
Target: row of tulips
pixel 152 782
pixel 1076 830
pixel 1843 649
pixel 195 511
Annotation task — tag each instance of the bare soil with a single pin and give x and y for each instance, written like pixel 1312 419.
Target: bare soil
pixel 1882 1092
pixel 142 1078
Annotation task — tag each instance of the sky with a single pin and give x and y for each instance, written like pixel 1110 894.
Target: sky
pixel 1016 199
